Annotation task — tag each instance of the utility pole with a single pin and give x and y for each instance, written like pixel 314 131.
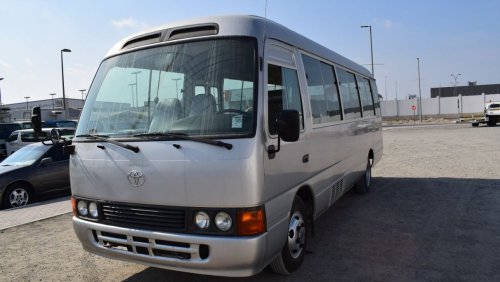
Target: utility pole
pixel 419 90
pixel 371 45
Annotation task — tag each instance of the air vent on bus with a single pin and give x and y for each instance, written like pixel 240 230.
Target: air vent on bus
pixel 337 190
pixel 143 40
pixel 193 31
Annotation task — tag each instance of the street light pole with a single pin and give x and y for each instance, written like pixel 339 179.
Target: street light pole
pixel 62 74
pixel 27 97
pixel 371 44
pixel 52 94
pixel 455 82
pixel 136 91
pixel 132 87
pixel 176 87
pixel 1 78
pixel 419 90
pixel 82 90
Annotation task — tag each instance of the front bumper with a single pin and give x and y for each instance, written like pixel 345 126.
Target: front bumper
pixel 210 255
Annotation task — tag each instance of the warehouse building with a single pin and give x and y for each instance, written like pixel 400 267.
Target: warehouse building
pixel 470 90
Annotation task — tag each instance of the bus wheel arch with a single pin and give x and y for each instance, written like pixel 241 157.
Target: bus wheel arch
pixel 302 210
pixel 293 251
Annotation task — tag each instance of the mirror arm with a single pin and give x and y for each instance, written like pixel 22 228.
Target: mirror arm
pixel 279 143
pixel 271 150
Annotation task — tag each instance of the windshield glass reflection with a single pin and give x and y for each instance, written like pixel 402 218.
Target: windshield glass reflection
pixel 205 88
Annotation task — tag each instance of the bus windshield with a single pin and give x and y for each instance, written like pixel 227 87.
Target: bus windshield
pixel 203 88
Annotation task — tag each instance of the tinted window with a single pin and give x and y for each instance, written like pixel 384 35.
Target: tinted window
pixel 349 92
pixel 7 128
pixel 376 101
pixel 56 153
pixel 30 136
pixel 13 137
pixel 323 92
pixel 283 93
pixel 365 93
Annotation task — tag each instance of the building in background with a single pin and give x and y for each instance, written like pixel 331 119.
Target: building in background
pixel 471 89
pixel 52 109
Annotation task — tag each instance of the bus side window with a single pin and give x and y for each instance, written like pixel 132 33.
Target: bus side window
pixel 376 101
pixel 366 97
pixel 350 95
pixel 283 93
pixel 323 92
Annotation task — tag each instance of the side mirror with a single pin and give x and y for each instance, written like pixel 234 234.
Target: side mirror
pixel 288 125
pixel 36 120
pixel 45 161
pixel 288 128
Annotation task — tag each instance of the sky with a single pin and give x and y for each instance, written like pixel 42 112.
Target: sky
pixel 448 37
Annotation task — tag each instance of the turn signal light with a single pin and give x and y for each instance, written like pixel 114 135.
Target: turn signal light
pixel 73 206
pixel 251 222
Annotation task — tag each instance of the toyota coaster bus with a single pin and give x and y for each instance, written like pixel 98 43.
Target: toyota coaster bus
pixel 210 146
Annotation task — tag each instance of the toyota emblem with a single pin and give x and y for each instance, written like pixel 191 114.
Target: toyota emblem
pixel 136 178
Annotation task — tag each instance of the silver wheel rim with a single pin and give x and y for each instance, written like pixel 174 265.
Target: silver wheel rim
pixel 18 197
pixel 296 234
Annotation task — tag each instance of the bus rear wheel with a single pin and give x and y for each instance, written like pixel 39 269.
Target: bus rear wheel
pixel 364 184
pixel 293 252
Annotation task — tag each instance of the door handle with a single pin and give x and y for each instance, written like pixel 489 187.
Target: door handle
pixel 305 158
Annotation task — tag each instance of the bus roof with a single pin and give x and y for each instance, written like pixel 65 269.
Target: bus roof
pixel 231 25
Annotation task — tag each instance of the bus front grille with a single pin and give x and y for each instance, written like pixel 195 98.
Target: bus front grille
pixel 147 217
pixel 151 247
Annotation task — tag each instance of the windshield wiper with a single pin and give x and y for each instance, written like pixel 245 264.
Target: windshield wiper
pixel 184 136
pixel 105 138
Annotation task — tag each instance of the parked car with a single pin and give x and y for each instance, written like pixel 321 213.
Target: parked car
pixel 32 171
pixel 5 130
pixel 60 123
pixel 21 138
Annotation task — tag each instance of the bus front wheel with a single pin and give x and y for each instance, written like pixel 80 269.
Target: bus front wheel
pixel 293 252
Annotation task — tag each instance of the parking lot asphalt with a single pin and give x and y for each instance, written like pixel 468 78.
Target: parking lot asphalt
pixel 38 211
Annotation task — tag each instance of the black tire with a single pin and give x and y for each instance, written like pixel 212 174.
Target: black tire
pixel 491 123
pixel 364 184
pixel 475 124
pixel 293 252
pixel 17 195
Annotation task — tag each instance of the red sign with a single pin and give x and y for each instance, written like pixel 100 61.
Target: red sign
pixel 413 107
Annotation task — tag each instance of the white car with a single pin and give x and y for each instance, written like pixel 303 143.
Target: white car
pixel 491 114
pixel 23 137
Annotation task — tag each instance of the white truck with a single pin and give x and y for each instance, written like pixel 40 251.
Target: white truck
pixel 491 114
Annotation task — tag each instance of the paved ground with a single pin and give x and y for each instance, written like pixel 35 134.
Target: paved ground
pixel 38 211
pixel 432 216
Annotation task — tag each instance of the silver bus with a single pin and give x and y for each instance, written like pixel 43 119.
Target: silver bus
pixel 210 146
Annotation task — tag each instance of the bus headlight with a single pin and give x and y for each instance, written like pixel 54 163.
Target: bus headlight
pixel 202 220
pixel 93 210
pixel 223 221
pixel 82 208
